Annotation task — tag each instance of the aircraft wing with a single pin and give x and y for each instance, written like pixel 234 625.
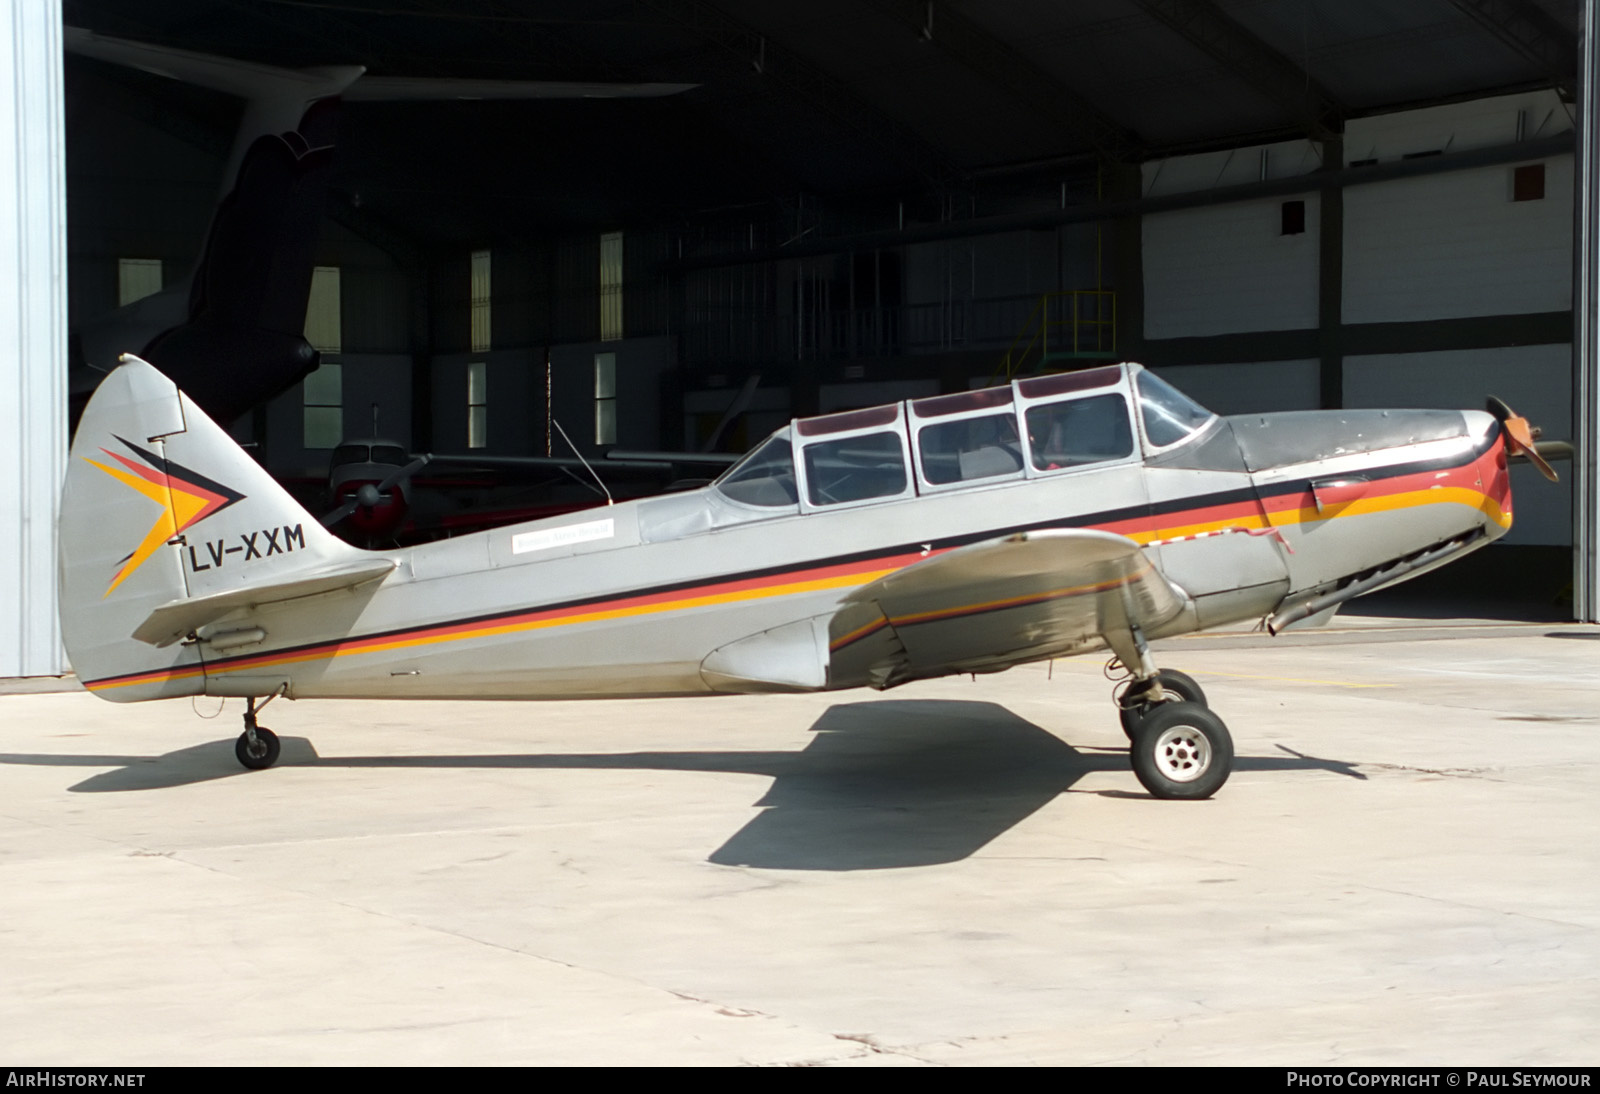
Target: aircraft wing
pixel 999 603
pixel 421 88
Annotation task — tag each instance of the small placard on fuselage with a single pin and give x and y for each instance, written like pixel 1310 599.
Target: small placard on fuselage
pixel 547 538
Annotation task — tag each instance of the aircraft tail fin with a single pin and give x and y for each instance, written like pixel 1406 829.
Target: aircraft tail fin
pixel 168 527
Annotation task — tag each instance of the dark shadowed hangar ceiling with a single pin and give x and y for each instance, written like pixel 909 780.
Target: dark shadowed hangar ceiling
pixel 955 108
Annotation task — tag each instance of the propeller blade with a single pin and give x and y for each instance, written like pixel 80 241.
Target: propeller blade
pixel 334 517
pixel 1518 428
pixel 403 474
pixel 1521 438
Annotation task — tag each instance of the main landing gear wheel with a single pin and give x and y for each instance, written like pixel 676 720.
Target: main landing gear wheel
pixel 1181 685
pixel 1181 750
pixel 257 748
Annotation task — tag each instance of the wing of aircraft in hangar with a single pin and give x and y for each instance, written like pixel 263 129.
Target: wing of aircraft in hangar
pixel 231 334
pixel 378 494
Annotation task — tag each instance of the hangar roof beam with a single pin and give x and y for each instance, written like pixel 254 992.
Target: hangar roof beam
pixel 1531 32
pixel 799 77
pixel 978 50
pixel 1272 74
pixel 1536 148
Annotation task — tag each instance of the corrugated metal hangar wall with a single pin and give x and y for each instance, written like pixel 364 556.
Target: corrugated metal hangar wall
pixel 33 333
pixel 1421 256
pixel 1438 288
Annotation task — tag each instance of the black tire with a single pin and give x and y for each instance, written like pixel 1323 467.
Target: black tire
pixel 264 755
pixel 1180 684
pixel 1182 751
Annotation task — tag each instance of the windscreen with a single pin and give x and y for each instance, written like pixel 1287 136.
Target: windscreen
pixel 1169 415
pixel 764 477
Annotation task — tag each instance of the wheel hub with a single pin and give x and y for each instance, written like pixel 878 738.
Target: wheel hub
pixel 1182 753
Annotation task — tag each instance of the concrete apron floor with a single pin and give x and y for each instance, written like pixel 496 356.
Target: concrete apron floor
pixel 1402 870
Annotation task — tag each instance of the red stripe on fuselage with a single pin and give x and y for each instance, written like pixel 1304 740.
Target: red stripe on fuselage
pixel 1469 474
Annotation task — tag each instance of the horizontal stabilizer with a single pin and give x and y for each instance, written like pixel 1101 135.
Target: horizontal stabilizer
pixel 179 618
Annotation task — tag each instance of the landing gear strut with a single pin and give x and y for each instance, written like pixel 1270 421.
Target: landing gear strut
pixel 1179 748
pixel 257 747
pixel 1135 704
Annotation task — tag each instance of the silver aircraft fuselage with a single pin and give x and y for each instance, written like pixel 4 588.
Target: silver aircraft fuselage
pixel 746 585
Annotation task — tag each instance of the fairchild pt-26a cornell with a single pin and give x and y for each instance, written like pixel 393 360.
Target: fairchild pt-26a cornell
pixel 964 533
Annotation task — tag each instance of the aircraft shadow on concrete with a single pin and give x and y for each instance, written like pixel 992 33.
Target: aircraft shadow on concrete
pixel 892 783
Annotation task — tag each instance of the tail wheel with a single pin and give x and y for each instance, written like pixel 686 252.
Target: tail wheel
pixel 261 752
pixel 1179 684
pixel 1182 751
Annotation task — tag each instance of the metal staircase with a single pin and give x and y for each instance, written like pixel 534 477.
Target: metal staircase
pixel 1064 327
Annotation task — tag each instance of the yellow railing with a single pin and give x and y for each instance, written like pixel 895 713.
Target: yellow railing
pixel 1073 325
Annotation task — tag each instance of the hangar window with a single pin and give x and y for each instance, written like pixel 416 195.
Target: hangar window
pixel 611 286
pixel 324 329
pixel 137 278
pixel 605 398
pixel 1527 182
pixel 478 404
pixel 322 393
pixel 1293 218
pixel 480 301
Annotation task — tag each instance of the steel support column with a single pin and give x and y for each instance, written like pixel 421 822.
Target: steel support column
pixel 1330 279
pixel 1585 304
pixel 33 332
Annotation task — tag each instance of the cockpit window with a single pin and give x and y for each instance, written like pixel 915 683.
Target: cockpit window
pixel 350 453
pixel 389 453
pixel 1079 431
pixel 764 477
pixel 1169 415
pixel 970 448
pixel 871 465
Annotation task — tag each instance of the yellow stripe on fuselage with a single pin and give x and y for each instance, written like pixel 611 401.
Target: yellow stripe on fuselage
pixel 444 632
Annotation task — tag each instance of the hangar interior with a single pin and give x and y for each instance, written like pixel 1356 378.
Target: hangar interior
pixel 1278 205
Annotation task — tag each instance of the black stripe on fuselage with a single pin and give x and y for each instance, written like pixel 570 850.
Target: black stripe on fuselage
pixel 1108 516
